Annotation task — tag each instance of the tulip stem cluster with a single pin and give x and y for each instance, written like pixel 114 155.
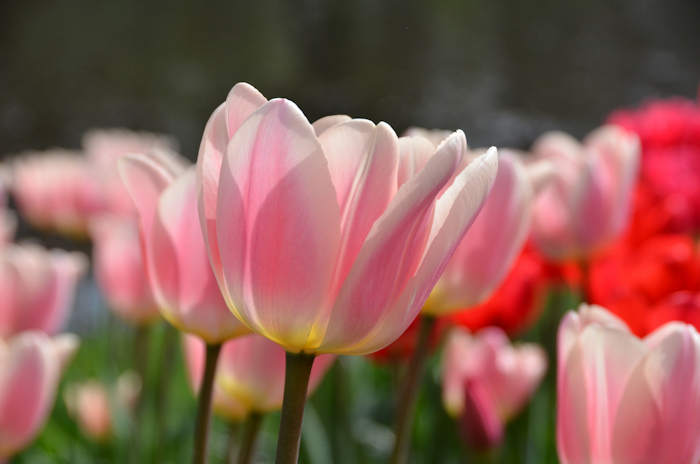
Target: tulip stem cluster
pixel 406 408
pixel 296 382
pixel 201 430
pixel 250 435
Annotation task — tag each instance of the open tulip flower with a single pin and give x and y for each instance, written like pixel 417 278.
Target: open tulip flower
pixel 31 364
pixel 55 190
pixel 178 266
pixel 120 269
pixel 490 247
pixel 587 204
pixel 486 381
pixel 249 376
pixel 622 399
pixel 37 287
pixel 317 239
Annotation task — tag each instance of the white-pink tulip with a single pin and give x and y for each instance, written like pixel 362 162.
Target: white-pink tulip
pixel 622 399
pixel 37 287
pixel 486 381
pixel 587 204
pixel 179 271
pixel 316 241
pixel 31 364
pixel 249 376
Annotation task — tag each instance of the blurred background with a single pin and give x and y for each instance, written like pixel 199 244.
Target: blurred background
pixel 504 71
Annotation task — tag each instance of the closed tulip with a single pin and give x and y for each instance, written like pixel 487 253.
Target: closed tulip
pixel 37 288
pixel 587 204
pixel 249 376
pixel 178 266
pixel 317 242
pixel 622 399
pixel 486 381
pixel 120 269
pixel 31 364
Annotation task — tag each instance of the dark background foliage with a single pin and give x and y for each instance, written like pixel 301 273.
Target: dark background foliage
pixel 504 71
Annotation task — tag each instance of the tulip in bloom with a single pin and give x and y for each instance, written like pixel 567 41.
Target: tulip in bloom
pixel 31 364
pixel 622 399
pixel 178 266
pixel 56 190
pixel 37 287
pixel 250 375
pixel 491 245
pixel 120 271
pixel 486 381
pixel 587 204
pixel 318 240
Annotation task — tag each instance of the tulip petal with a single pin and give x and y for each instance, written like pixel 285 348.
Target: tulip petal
pixel 414 153
pixel 190 297
pixel 242 101
pixel 657 421
pixel 480 424
pixel 145 180
pixel 325 123
pixel 493 241
pixel 278 224
pixel 362 159
pixel 400 267
pixel 27 388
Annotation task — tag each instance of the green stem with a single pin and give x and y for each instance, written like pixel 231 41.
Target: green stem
pixel 232 444
pixel 167 359
pixel 409 393
pixel 296 382
pixel 140 353
pixel 250 435
pixel 201 428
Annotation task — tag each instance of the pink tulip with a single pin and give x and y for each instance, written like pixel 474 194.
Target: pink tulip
pixel 490 247
pixel 104 147
pixel 56 190
pixel 249 376
pixel 487 381
pixel 587 205
pixel 315 241
pixel 178 266
pixel 31 364
pixel 120 271
pixel 37 288
pixel 622 399
pixel 88 403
